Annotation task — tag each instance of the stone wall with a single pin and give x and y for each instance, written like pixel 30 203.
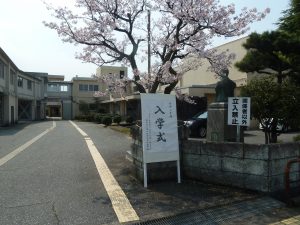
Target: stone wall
pixel 250 166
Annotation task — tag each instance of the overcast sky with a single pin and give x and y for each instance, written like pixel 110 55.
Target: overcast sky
pixel 34 47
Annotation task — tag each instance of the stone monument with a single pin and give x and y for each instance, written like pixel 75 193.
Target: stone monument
pixel 217 128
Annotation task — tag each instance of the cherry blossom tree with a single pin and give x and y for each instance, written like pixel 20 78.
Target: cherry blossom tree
pixel 115 31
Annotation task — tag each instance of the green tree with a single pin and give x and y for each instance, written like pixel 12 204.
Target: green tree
pixel 290 25
pixel 291 18
pixel 276 53
pixel 264 55
pixel 271 102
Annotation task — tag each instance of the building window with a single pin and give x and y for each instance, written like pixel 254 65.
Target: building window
pixel 2 69
pixel 122 74
pixel 83 87
pixel 29 84
pixel 93 87
pixel 20 81
pixel 52 88
pixel 12 77
pixel 63 88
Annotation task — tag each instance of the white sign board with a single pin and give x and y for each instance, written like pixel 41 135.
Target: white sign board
pixel 159 126
pixel 239 111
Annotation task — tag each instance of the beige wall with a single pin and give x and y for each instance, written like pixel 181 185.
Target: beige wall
pixel 105 70
pixel 203 77
pixel 86 96
pixel 56 78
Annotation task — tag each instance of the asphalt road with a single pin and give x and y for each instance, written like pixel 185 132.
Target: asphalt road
pixel 53 181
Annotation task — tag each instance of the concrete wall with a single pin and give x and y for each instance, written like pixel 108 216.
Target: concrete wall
pixel 249 166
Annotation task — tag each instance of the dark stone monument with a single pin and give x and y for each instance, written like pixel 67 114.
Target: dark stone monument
pixel 217 128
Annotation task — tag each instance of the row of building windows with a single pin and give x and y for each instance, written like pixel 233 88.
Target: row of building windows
pixel 64 88
pixel 88 87
pixel 57 88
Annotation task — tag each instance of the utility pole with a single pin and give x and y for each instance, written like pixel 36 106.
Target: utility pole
pixel 149 45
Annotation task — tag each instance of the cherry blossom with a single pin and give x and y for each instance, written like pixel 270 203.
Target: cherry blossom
pixel 181 34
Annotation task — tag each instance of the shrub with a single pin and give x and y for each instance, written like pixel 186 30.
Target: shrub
pixel 106 120
pixel 296 138
pixel 98 117
pixel 90 117
pixel 129 119
pixel 117 119
pixel 77 117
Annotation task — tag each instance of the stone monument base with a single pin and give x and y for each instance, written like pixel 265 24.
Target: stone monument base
pixel 217 128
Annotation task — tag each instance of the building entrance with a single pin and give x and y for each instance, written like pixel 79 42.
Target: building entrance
pixel 54 111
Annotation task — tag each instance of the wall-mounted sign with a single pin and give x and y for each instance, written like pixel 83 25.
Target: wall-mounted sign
pixel 239 111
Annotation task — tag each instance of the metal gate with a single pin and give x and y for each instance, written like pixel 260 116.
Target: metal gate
pixel 25 110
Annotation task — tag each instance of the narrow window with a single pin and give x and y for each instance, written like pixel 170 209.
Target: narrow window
pixel 1 69
pixel 122 74
pixel 29 84
pixel 20 81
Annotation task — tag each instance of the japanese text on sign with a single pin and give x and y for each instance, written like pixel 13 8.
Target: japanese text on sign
pixel 239 111
pixel 159 125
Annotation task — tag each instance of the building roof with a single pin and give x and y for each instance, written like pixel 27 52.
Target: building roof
pixel 84 78
pixel 59 82
pixel 2 52
pixel 54 77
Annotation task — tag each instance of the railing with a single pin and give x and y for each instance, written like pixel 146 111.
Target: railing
pixel 288 182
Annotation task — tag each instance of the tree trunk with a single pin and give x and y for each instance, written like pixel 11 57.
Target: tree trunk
pixel 267 137
pixel 273 138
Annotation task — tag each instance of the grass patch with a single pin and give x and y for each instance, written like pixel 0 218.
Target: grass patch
pixel 123 130
pixel 296 138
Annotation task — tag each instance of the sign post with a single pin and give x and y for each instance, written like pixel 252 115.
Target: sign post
pixel 160 132
pixel 239 113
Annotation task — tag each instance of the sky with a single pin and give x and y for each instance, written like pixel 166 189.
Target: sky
pixel 36 48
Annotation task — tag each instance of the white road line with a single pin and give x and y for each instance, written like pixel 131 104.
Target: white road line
pixel 79 130
pixel 120 202
pixel 20 149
